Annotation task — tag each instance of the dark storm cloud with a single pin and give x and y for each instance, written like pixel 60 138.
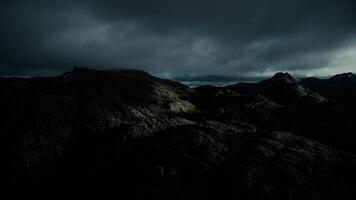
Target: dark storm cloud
pixel 173 38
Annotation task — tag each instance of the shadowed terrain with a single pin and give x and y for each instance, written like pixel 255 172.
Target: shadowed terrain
pixel 137 136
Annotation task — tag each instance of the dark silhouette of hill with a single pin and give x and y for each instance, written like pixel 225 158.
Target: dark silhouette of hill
pixel 341 87
pixel 135 136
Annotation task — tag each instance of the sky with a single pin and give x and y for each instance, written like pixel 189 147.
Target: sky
pixel 179 38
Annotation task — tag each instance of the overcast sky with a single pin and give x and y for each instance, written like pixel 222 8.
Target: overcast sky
pixel 172 38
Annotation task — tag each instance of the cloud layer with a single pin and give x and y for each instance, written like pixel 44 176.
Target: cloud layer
pixel 175 38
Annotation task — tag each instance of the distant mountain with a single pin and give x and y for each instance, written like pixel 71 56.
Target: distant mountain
pixel 217 78
pixel 136 136
pixel 282 88
pixel 341 87
pixel 345 77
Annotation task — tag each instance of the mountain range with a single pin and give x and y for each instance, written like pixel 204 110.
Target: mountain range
pixel 136 136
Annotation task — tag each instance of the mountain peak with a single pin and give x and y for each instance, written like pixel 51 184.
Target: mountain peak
pixel 283 77
pixel 283 88
pixel 280 79
pixel 345 76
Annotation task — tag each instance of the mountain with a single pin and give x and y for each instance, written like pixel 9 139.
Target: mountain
pixel 135 136
pixel 282 88
pixel 216 78
pixel 341 87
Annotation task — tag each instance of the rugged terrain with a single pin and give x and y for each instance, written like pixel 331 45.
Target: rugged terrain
pixel 141 137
